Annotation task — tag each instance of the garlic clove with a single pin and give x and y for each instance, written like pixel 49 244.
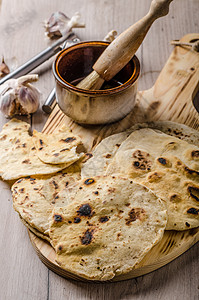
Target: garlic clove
pixel 55 24
pixel 18 96
pixel 4 69
pixel 110 36
pixel 7 105
pixel 74 21
pixel 28 99
pixel 26 79
pixel 59 24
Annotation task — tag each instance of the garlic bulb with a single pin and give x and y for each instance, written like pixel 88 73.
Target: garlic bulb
pixel 59 24
pixel 18 96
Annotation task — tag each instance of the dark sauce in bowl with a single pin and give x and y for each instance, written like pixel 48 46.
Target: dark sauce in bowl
pixel 113 83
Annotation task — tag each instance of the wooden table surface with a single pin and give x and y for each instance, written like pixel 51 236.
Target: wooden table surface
pixel 22 274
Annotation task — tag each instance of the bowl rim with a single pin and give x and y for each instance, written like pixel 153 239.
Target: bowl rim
pixel 67 85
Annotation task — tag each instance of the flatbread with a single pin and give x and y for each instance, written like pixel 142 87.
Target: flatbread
pixel 167 165
pixel 18 156
pixel 34 198
pixel 59 147
pixel 181 131
pixel 103 154
pixel 108 147
pixel 108 227
pixel 35 231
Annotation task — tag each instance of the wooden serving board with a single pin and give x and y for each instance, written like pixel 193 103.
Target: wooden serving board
pixel 171 98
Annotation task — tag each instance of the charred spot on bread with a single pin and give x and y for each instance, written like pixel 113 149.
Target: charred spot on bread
pixel 60 247
pixel 193 211
pixel 111 190
pixel 26 161
pixel 65 149
pixel 194 192
pixel 89 181
pixel 155 176
pixel 86 239
pixel 20 180
pixel 2 138
pixel 195 154
pixel 57 218
pixel 162 160
pixel 32 180
pixel 56 154
pixel 77 220
pixel 68 139
pixel 134 214
pixel 85 210
pixel 104 219
pixel 190 171
pixel 175 198
pixel 142 161
pixel 55 184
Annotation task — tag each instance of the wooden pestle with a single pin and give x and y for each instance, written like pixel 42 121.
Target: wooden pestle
pixel 123 48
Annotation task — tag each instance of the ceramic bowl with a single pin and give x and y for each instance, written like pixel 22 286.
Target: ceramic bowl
pixel 109 104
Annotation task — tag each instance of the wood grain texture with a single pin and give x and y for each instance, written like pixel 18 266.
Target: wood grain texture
pixel 22 36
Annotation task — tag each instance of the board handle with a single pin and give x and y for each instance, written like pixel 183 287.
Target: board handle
pixel 123 48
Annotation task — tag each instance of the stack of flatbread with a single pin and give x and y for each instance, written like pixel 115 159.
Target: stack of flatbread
pixel 23 154
pixel 103 215
pixel 43 164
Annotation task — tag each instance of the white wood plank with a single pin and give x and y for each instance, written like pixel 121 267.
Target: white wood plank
pixel 22 275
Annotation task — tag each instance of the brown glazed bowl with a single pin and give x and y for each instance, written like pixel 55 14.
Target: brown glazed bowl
pixel 103 106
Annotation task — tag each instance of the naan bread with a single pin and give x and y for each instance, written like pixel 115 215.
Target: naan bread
pixel 59 147
pixel 168 166
pixel 108 228
pixel 34 198
pixel 107 148
pixel 18 156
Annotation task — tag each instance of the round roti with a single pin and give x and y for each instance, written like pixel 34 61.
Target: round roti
pixel 108 227
pixel 167 165
pixel 34 198
pixel 18 156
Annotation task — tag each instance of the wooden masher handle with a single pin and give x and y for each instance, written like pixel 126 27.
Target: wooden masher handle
pixel 123 48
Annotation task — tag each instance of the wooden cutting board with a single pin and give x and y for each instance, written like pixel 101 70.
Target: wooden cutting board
pixel 171 98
